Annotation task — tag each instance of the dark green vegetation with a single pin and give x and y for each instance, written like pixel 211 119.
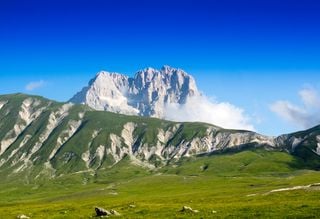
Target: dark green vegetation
pixel 231 182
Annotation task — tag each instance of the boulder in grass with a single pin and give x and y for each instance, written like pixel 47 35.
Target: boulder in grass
pixel 102 212
pixel 188 209
pixel 22 216
pixel 114 212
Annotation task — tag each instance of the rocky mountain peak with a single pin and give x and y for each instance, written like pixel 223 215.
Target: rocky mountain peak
pixel 145 94
pixel 104 77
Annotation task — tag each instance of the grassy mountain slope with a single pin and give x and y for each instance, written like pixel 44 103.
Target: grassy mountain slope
pixel 60 161
pixel 40 137
pixel 219 186
pixel 304 144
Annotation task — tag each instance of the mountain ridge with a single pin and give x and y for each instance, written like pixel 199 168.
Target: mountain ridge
pixel 42 136
pixel 58 136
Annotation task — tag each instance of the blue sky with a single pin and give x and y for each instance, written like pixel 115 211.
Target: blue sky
pixel 248 53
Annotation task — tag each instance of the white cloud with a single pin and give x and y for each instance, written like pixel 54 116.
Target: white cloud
pixel 35 85
pixel 202 109
pixel 307 115
pixel 310 97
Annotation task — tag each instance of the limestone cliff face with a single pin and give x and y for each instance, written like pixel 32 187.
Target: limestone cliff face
pixel 146 94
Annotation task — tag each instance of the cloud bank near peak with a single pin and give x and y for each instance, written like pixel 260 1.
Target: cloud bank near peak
pixel 305 115
pixel 33 85
pixel 203 109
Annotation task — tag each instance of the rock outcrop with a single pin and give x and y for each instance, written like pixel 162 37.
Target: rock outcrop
pixel 146 94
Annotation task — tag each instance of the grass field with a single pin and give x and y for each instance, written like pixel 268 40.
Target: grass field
pixel 218 186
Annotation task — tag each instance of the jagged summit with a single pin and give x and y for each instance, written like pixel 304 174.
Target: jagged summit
pixel 146 94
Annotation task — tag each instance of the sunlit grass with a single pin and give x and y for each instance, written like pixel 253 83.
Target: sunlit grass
pixel 219 186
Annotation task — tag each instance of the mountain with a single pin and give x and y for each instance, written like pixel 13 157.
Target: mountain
pixel 59 160
pixel 62 137
pixel 304 144
pixel 40 136
pixel 146 94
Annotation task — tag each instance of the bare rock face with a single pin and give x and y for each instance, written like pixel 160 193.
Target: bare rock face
pixel 146 94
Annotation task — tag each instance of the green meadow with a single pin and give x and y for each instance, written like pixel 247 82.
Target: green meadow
pixel 233 185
